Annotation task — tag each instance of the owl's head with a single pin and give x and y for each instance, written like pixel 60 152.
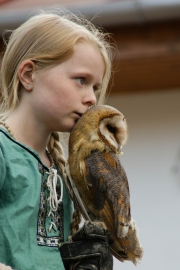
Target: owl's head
pixel 102 123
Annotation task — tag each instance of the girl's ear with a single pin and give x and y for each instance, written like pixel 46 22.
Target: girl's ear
pixel 25 74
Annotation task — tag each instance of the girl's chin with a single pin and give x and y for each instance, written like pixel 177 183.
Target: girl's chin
pixel 68 128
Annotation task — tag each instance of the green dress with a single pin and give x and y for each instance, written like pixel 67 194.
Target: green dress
pixel 29 238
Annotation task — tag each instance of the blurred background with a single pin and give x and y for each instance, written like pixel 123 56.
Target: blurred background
pixel 146 89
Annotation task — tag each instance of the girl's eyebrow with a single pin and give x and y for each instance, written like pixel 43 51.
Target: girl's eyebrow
pixel 83 72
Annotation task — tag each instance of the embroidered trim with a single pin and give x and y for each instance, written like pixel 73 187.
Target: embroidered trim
pixel 49 242
pixel 43 220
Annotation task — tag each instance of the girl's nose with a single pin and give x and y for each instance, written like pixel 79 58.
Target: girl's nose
pixel 90 98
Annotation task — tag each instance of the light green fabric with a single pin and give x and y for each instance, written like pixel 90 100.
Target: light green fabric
pixel 25 243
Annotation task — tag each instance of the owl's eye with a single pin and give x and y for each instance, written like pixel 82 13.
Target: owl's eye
pixel 111 129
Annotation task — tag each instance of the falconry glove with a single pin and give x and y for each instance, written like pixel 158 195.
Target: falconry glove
pixel 88 250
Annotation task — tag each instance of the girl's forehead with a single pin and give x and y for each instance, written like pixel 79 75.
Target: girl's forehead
pixel 87 49
pixel 87 53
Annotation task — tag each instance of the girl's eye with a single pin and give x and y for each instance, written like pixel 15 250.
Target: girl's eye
pixel 80 80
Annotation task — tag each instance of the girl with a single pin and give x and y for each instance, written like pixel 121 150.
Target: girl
pixel 54 68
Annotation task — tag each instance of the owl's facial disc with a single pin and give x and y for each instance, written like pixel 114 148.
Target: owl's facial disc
pixel 114 129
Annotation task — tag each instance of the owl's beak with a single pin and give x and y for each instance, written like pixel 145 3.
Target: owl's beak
pixel 119 149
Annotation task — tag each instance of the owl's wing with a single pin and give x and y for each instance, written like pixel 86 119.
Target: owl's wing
pixel 108 185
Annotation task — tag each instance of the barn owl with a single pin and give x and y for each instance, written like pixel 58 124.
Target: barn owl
pixel 98 180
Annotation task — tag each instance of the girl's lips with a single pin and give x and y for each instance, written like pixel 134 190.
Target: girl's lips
pixel 79 114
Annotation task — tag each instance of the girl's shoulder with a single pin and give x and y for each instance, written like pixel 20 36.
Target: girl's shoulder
pixel 5 139
pixel 15 150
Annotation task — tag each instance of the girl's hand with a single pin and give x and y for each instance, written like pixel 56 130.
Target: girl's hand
pixel 4 267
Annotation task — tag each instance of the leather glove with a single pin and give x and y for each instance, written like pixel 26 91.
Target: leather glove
pixel 4 267
pixel 88 250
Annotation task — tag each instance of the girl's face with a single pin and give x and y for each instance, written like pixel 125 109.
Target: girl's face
pixel 61 94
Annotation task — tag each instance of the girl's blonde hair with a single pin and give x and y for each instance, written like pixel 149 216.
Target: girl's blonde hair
pixel 48 38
